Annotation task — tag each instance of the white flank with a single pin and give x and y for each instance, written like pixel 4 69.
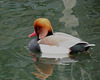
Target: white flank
pixel 54 51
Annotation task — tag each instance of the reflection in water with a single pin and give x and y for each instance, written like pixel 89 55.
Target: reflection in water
pixel 69 19
pixel 45 66
pixel 44 70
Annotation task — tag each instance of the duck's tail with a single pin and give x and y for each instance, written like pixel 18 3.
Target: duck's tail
pixel 80 47
pixel 89 45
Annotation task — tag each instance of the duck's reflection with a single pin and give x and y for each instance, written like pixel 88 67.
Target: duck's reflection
pixel 44 70
pixel 45 66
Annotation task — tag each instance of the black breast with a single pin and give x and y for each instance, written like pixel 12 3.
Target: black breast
pixel 34 46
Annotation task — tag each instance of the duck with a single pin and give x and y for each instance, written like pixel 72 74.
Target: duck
pixel 54 45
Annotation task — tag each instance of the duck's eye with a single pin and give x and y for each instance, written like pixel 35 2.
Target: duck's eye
pixel 37 28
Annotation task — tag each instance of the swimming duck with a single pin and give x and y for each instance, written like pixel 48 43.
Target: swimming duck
pixel 54 45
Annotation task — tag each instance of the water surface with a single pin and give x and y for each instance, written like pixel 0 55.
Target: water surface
pixel 80 18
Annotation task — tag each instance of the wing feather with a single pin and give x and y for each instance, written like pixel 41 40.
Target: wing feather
pixel 60 39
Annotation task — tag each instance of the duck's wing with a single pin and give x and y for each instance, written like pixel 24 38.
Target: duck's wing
pixel 61 39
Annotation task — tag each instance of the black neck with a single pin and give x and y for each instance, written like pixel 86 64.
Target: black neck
pixel 50 33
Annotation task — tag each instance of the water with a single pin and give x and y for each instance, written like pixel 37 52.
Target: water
pixel 80 18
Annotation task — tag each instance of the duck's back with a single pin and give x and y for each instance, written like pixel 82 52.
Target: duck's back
pixel 61 39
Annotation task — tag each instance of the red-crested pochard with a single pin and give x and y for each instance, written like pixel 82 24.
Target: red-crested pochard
pixel 54 45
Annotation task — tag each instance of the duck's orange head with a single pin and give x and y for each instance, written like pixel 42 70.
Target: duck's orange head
pixel 42 28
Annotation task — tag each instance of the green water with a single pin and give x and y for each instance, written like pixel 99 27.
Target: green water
pixel 80 18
